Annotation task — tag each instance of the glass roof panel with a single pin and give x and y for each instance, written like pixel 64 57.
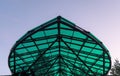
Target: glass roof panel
pixel 59 47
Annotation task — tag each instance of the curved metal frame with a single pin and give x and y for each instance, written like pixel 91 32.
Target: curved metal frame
pixel 74 27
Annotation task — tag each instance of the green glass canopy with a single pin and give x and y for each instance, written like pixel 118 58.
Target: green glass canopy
pixel 59 48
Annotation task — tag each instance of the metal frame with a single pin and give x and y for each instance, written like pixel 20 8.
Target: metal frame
pixel 60 60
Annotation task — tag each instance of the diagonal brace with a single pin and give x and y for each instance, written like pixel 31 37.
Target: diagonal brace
pixel 41 55
pixel 77 67
pixel 67 65
pixel 51 66
pixel 77 56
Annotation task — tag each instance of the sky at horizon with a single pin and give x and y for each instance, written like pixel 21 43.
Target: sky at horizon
pixel 100 17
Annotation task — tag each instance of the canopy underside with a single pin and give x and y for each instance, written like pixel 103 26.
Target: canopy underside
pixel 59 47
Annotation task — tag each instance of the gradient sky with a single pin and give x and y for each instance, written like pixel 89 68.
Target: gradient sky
pixel 100 17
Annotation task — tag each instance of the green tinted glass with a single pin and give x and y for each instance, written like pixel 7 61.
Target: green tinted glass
pixel 59 48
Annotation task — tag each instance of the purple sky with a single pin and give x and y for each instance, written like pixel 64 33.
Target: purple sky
pixel 100 17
